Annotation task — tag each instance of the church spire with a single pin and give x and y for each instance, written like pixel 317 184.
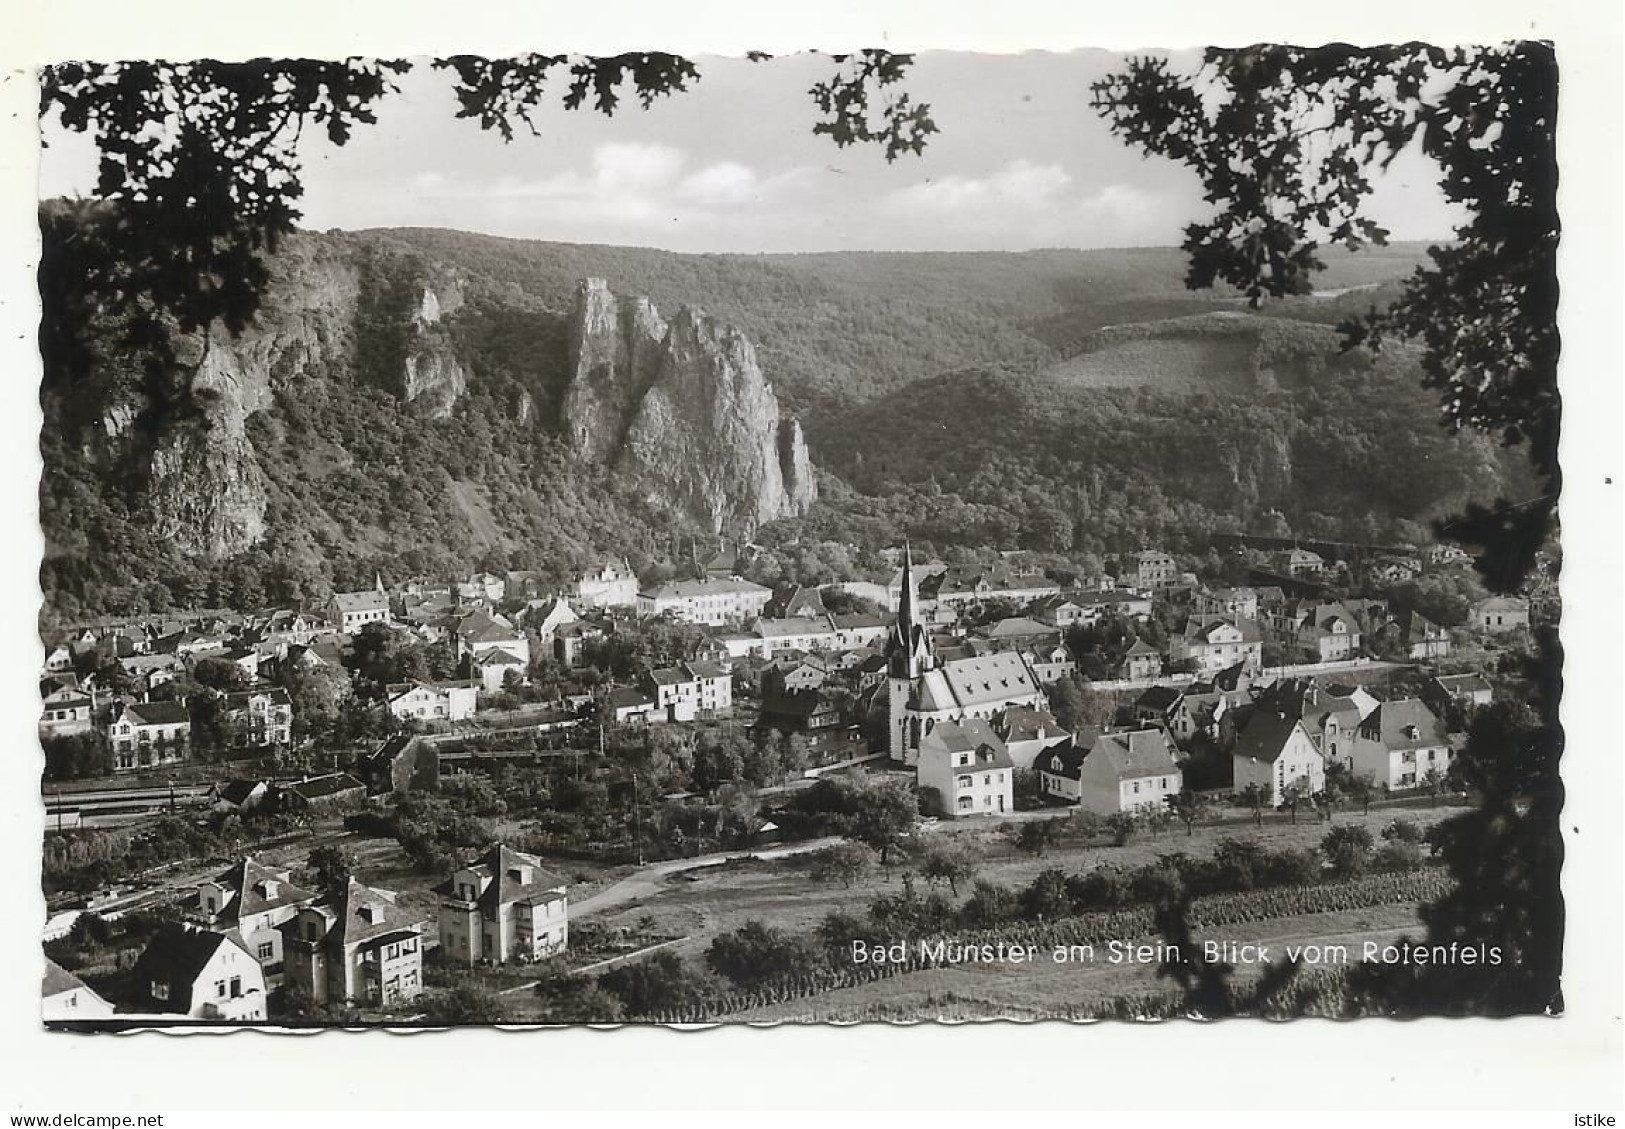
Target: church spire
pixel 909 646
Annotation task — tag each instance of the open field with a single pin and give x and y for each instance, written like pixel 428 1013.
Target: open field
pixel 1046 989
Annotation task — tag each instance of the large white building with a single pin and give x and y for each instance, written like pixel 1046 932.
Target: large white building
pixel 716 601
pixel 609 584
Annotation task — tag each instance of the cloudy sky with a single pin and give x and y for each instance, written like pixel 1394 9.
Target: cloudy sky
pixel 732 165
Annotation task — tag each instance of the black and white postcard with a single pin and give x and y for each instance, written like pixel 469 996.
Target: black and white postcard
pixel 881 536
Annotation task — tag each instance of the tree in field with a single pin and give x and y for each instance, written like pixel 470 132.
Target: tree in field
pixel 1361 789
pixel 657 983
pixel 755 953
pixel 1256 798
pixel 1188 807
pixel 952 863
pixel 1036 836
pixel 880 816
pixel 329 867
pixel 1121 826
pixel 1347 850
pixel 846 863
pixel 1285 141
pixel 1047 898
pixel 1294 796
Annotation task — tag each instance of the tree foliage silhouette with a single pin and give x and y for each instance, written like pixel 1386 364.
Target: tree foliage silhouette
pixel 200 173
pixel 1286 140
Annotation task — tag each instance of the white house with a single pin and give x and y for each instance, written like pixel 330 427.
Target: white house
pixel 503 908
pixel 349 612
pixel 146 734
pixel 609 584
pixel 1277 752
pixel 1399 743
pixel 433 701
pixel 966 768
pixel 199 974
pixel 1120 772
pixel 64 998
pixel 1215 643
pixel 250 902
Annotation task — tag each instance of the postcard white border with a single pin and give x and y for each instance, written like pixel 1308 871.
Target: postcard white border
pixel 1436 1064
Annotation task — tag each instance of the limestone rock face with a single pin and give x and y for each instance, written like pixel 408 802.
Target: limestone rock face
pixel 434 377
pixel 684 411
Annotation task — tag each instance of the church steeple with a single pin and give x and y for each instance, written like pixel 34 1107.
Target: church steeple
pixel 909 646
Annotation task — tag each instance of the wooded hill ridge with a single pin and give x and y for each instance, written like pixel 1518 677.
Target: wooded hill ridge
pixel 401 403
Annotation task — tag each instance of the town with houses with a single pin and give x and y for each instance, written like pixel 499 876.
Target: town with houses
pixel 992 689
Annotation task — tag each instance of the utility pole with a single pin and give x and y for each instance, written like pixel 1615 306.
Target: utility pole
pixel 637 819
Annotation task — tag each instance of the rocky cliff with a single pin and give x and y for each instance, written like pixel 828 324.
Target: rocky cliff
pixel 683 410
pixel 172 423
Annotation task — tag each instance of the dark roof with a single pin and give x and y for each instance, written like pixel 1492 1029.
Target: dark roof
pixel 318 787
pixel 708 670
pixel 1264 736
pixel 1141 752
pixel 1159 698
pixel 1064 758
pixel 795 703
pixel 58 980
pixel 361 913
pixel 236 791
pixel 157 713
pixel 502 865
pixel 1405 723
pixel 624 696
pixel 175 956
pixel 1023 723
pixel 254 887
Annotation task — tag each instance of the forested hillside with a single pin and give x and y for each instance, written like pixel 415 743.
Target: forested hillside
pixel 400 405
pixel 1162 433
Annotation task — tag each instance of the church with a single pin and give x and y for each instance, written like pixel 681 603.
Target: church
pixel 924 691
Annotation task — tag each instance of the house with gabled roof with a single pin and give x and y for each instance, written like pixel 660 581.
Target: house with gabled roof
pixel 494 668
pixel 147 734
pixel 260 718
pixel 64 998
pixel 1276 751
pixel 349 612
pixel 1026 732
pixel 432 701
pixel 1499 614
pixel 356 945
pixel 327 791
pixel 1400 742
pixel 794 601
pixel 250 902
pixel 966 767
pixel 199 974
pixel 65 710
pixel 1117 772
pixel 610 583
pixel 503 908
pixel 1141 661
pixel 1214 643
pixel 1469 689
pixel 1158 703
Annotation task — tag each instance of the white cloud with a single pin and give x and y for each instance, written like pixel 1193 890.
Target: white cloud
pixel 726 183
pixel 635 168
